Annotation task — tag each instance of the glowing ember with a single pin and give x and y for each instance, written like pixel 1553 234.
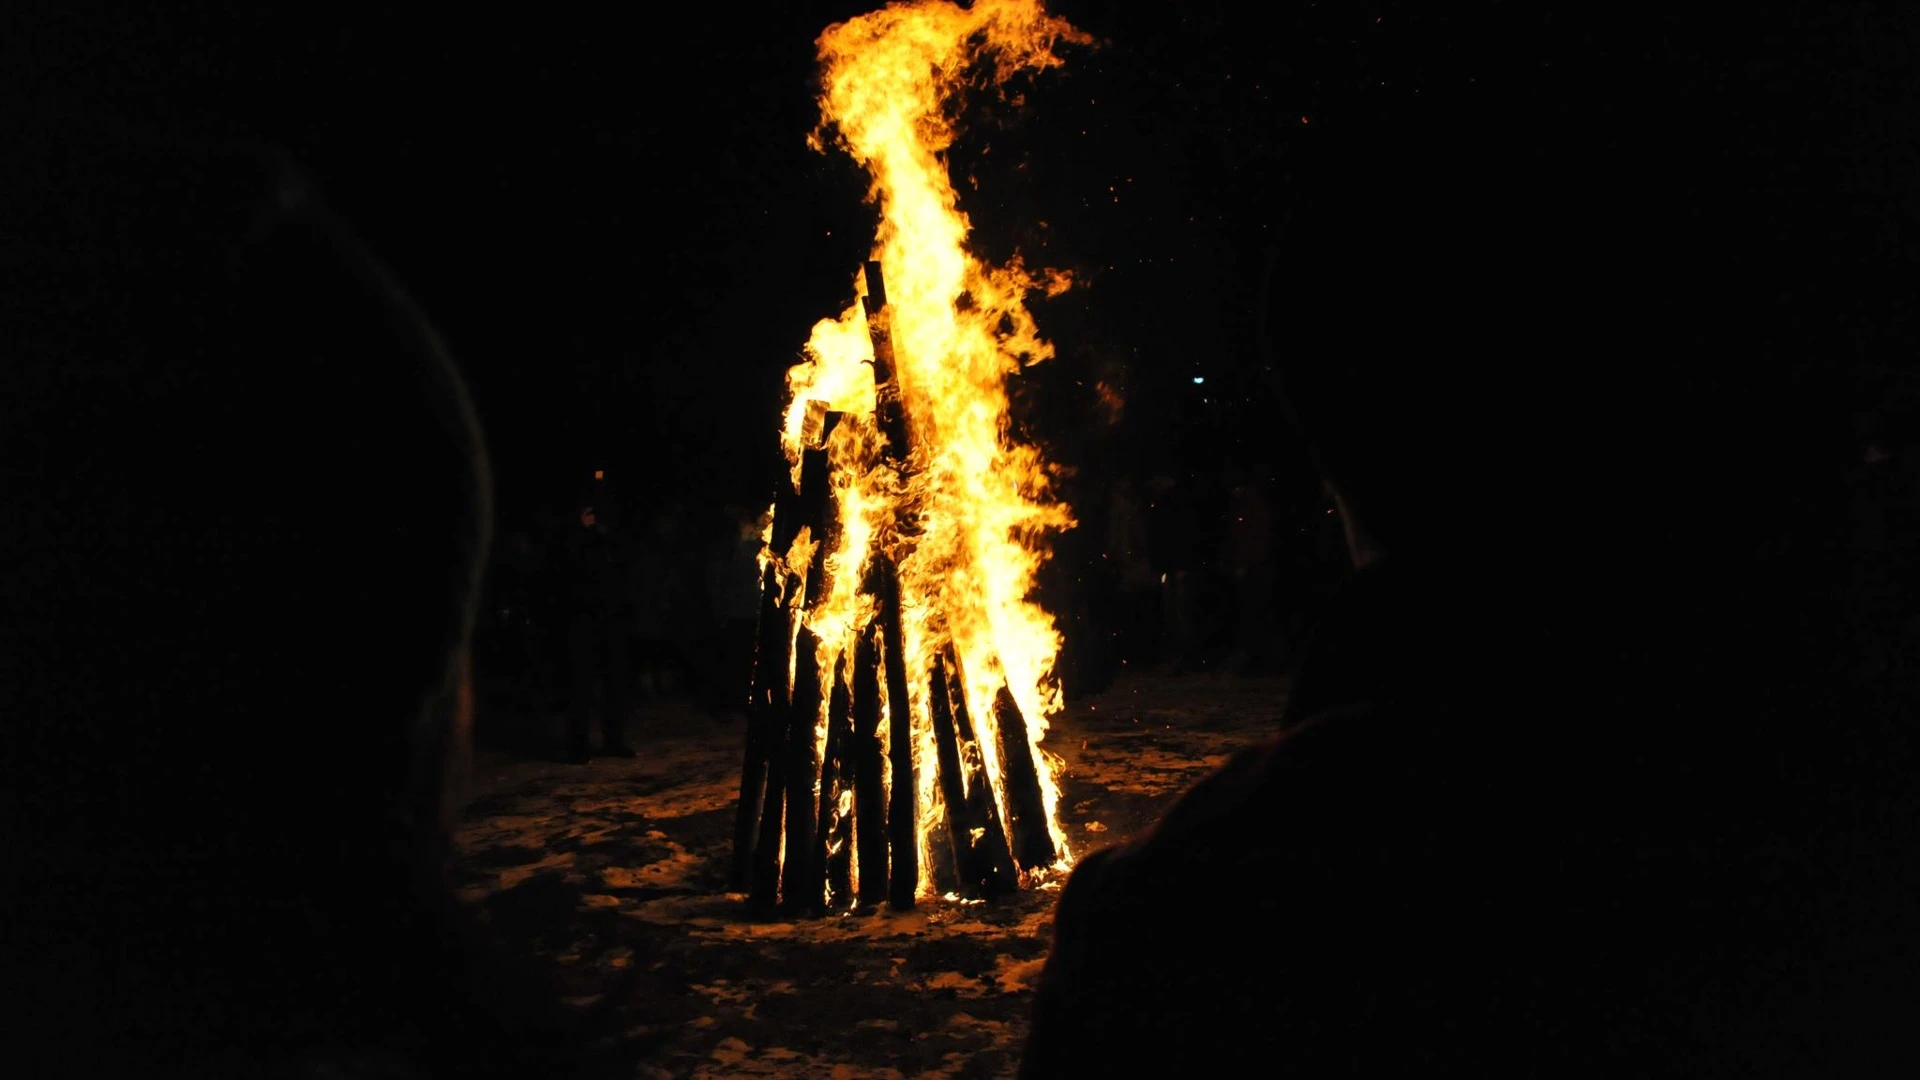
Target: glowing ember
pixel 901 405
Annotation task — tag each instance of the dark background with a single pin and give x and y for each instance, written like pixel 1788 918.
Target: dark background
pixel 613 215
pixel 618 225
pixel 615 219
pixel 617 222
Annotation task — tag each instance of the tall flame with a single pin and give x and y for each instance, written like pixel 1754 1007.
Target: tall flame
pixel 967 517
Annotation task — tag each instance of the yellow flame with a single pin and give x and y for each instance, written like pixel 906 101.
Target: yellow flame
pixel 968 516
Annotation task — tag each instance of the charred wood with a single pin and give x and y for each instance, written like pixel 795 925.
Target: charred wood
pixel 889 408
pixel 864 760
pixel 902 807
pixel 833 831
pixel 803 880
pixel 981 807
pixel 1026 806
pixel 968 864
pixel 762 724
pixel 771 706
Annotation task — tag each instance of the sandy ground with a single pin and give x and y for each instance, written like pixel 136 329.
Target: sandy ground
pixel 617 871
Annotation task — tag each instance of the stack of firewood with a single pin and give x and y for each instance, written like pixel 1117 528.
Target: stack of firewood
pixel 807 806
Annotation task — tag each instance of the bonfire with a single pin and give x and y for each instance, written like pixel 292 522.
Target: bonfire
pixel 904 673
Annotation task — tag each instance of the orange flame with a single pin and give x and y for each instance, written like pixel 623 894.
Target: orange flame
pixel 967 518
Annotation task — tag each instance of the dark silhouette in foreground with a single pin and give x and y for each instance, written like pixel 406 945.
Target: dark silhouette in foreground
pixel 1585 791
pixel 253 503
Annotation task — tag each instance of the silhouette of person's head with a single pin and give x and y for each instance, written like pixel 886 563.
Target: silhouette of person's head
pixel 260 510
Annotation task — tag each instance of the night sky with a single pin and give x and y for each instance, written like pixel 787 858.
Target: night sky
pixel 616 221
pixel 618 225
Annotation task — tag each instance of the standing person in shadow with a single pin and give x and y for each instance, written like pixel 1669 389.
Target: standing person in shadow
pixel 599 632
pixel 733 595
pixel 1567 786
pixel 235 684
pixel 664 579
pixel 513 630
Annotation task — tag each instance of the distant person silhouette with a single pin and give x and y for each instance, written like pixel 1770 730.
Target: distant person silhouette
pixel 599 632
pixel 1567 785
pixel 664 583
pixel 513 629
pixel 733 598
pixel 250 521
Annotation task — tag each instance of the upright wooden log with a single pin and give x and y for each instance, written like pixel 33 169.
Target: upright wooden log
pixel 804 509
pixel 803 882
pixel 763 889
pixel 888 406
pixel 1026 806
pixel 815 501
pixel 786 512
pixel 944 860
pixel 903 811
pixel 768 691
pixel 833 832
pixel 869 787
pixel 981 806
pixel 903 879
pixel 943 870
pixel 969 866
pixel 803 879
pixel 761 724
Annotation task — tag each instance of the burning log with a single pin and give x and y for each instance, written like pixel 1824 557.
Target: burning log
pixel 903 811
pixel 889 411
pixel 869 792
pixel 815 503
pixel 995 861
pixel 802 884
pixel 767 696
pixel 753 771
pixel 784 702
pixel 767 722
pixel 835 830
pixel 942 871
pixel 771 716
pixel 1026 806
pixel 969 867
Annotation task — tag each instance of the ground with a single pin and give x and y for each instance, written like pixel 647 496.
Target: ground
pixel 617 871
